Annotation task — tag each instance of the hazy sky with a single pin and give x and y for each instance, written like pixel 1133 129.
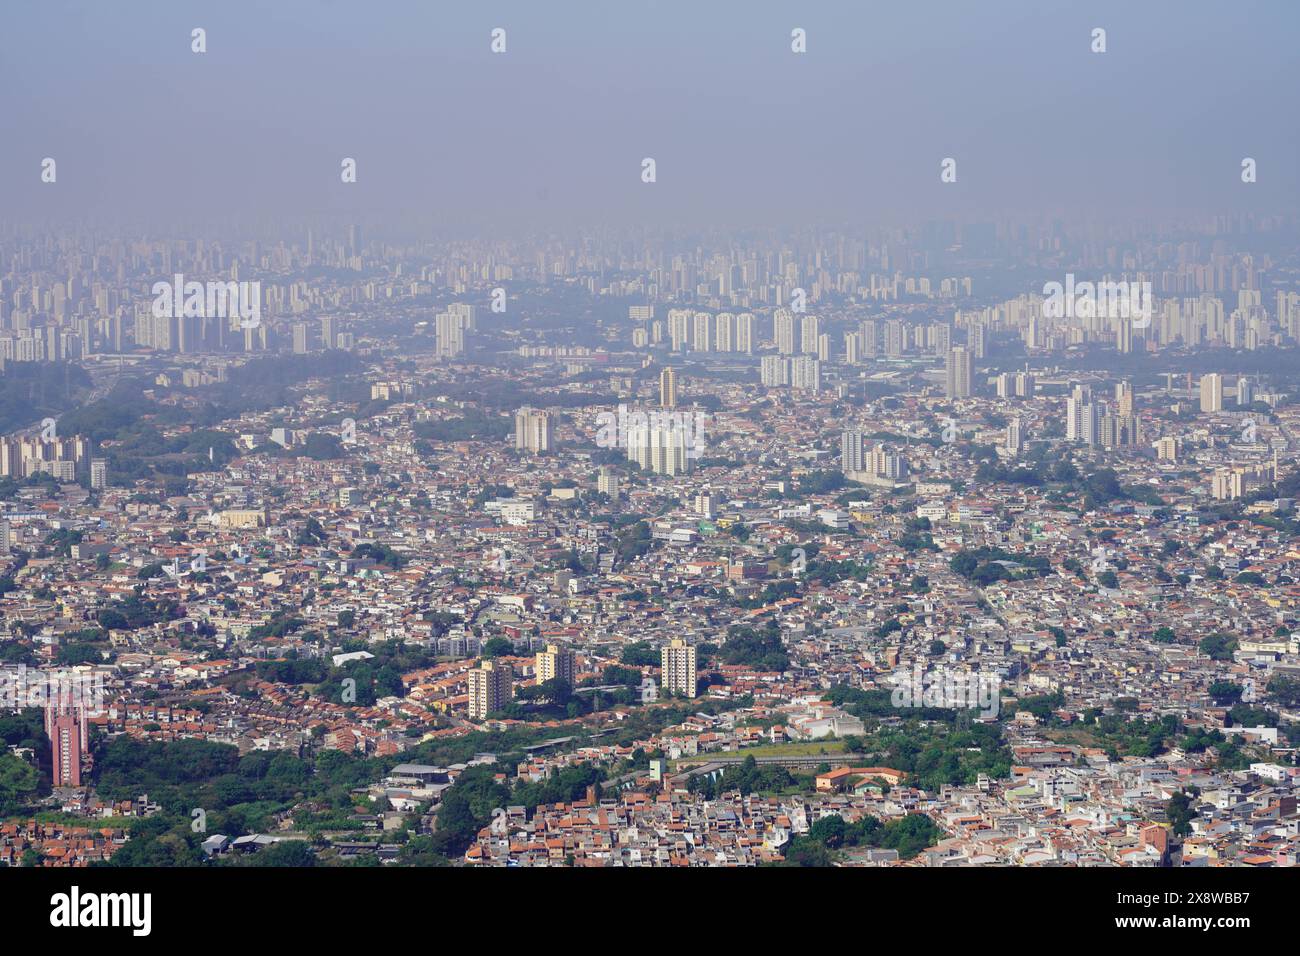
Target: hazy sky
pixel 553 131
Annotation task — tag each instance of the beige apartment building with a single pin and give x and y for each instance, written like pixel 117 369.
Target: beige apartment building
pixel 677 662
pixel 554 662
pixel 491 687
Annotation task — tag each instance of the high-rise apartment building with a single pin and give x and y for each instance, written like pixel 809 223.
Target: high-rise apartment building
pixel 783 330
pixel 1212 392
pixel 662 450
pixel 774 371
pixel 677 665
pixel 607 483
pixel 702 341
pixel 449 332
pixel 679 322
pixel 809 332
pixel 852 348
pixel 724 324
pixel 668 388
pixel 532 430
pixel 852 456
pixel 1124 399
pixel 65 725
pixel 555 662
pixel 958 373
pixel 1074 413
pixel 806 374
pixel 745 333
pixel 1015 440
pixel 491 687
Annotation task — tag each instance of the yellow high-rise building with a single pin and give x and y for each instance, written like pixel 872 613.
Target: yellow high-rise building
pixel 555 662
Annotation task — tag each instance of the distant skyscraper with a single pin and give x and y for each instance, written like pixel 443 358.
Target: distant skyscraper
pixel 724 324
pixel 679 321
pixel 1074 413
pixel 468 314
pixel 941 338
pixel 532 430
pixel 852 457
pixel 810 331
pixel 958 371
pixel 703 338
pixel 450 328
pixel 1245 391
pixel 783 330
pixel 745 333
pixel 870 343
pixel 668 388
pixel 895 338
pixel 1124 335
pixel 774 371
pixel 852 348
pixel 1212 392
pixel 1090 424
pixel 662 450
pixel 806 374
pixel 1124 398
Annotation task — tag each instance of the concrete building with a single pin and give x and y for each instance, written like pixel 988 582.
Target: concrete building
pixel 491 687
pixel 532 430
pixel 555 662
pixel 677 661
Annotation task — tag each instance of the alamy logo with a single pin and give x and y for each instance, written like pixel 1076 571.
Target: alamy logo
pixel 72 909
pixel 623 429
pixel 947 688
pixel 179 299
pixel 798 562
pixel 21 687
pixel 1102 300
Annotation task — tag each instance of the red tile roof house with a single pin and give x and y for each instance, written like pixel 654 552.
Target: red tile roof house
pixel 841 777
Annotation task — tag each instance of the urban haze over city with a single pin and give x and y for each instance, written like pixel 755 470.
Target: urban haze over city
pixel 649 435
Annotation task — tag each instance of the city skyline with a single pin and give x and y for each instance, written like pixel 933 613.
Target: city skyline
pixel 858 441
